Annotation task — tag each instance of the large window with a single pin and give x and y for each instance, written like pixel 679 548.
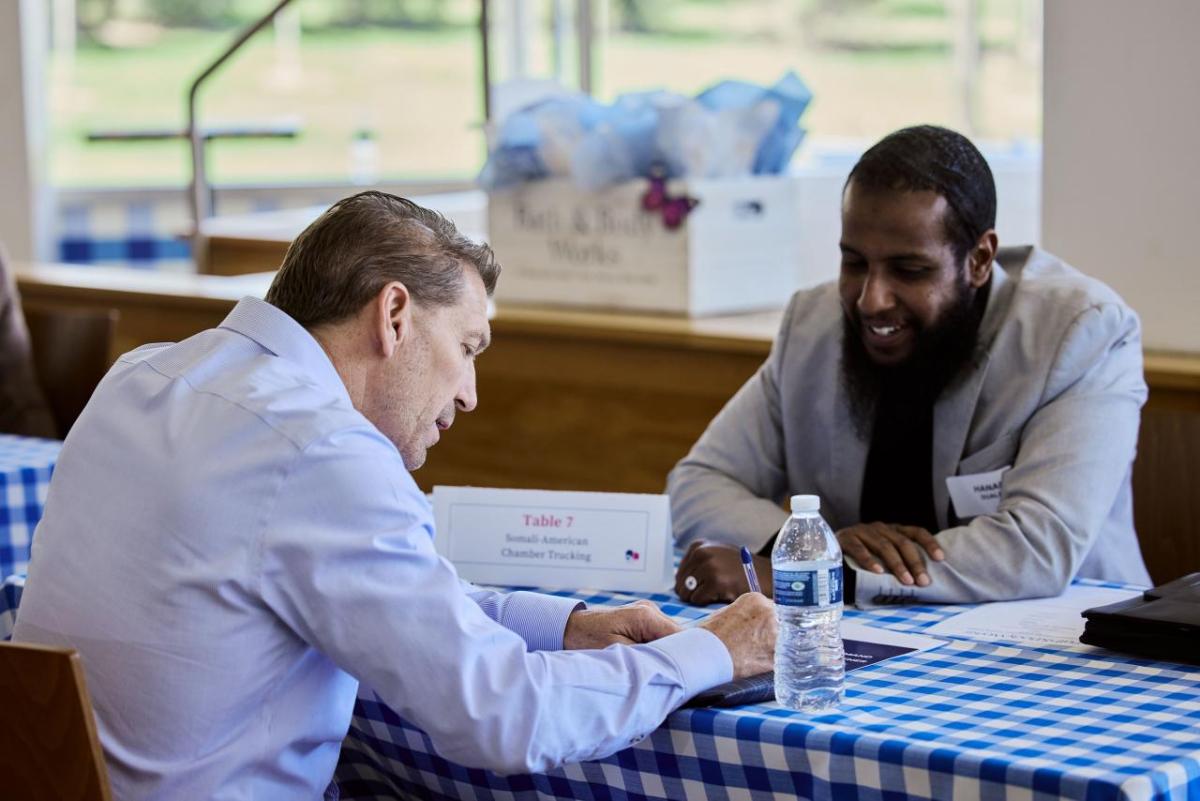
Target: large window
pixel 402 75
pixel 873 65
pixel 391 88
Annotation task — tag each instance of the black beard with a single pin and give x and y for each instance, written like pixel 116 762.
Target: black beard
pixel 938 356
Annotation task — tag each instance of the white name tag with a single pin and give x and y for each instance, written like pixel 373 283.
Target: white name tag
pixel 976 494
pixel 555 540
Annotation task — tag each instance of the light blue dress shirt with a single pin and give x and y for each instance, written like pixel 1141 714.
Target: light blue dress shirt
pixel 232 547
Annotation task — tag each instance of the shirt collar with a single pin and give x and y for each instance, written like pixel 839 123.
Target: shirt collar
pixel 275 330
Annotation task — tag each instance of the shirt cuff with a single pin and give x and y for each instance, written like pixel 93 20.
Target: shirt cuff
pixel 539 619
pixel 702 659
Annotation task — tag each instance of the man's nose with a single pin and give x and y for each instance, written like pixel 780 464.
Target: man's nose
pixel 876 295
pixel 466 399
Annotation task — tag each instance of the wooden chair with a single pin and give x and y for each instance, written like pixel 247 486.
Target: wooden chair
pixel 71 351
pixel 48 740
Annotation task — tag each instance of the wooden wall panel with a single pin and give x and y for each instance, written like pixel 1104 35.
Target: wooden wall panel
pixel 610 402
pixel 1165 488
pixel 561 413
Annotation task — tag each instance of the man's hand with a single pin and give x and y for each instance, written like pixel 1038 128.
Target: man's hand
pixel 717 574
pixel 640 621
pixel 747 627
pixel 881 547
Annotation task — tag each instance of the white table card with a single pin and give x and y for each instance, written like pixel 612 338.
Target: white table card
pixel 542 538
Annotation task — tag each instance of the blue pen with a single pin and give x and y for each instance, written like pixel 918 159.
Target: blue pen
pixel 748 566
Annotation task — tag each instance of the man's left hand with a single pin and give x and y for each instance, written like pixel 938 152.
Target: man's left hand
pixel 899 550
pixel 640 621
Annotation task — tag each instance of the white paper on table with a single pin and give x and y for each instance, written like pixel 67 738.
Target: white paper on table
pixel 861 632
pixel 1041 622
pixel 866 645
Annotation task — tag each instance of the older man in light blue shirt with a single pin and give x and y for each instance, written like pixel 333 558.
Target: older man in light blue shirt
pixel 232 540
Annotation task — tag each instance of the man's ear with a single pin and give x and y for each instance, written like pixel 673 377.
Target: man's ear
pixel 979 260
pixel 392 317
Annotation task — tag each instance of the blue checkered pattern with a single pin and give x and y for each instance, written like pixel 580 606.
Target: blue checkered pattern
pixel 25 468
pixel 133 235
pixel 967 720
pixel 10 599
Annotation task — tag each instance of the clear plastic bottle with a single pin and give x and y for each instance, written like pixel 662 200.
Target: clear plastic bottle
pixel 810 664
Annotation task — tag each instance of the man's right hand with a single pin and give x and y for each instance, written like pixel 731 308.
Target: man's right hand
pixel 881 547
pixel 712 572
pixel 747 628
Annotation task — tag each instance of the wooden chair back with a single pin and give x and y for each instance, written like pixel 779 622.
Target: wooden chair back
pixel 72 350
pixel 48 734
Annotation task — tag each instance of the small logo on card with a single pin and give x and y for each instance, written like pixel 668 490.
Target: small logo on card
pixel 632 555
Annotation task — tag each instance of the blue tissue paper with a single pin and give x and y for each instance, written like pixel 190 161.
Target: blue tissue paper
pixel 732 128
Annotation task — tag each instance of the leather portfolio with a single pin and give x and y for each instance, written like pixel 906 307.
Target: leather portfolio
pixel 1163 623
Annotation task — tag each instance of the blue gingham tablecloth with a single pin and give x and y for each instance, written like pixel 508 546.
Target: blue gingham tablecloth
pixel 966 720
pixel 10 599
pixel 25 468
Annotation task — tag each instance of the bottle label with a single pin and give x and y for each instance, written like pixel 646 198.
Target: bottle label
pixel 820 586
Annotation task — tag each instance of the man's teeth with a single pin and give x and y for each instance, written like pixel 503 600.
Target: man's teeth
pixel 884 330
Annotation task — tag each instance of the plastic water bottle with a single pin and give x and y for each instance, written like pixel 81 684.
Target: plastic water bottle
pixel 810 664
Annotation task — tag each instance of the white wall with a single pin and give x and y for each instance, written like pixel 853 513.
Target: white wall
pixel 1121 144
pixel 25 202
pixel 1016 168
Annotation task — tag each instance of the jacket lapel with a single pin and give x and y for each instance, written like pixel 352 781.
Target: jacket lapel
pixel 955 409
pixel 848 456
pixel 952 415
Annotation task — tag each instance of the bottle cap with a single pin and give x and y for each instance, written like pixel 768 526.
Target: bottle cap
pixel 806 503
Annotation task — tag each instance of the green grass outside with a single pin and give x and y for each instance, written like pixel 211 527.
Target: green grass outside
pixel 419 91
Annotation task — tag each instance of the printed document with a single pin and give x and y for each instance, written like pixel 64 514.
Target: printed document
pixel 1041 622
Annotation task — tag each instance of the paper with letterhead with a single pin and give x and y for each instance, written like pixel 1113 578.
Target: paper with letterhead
pixel 1042 622
pixel 976 494
pixel 865 645
pixel 555 540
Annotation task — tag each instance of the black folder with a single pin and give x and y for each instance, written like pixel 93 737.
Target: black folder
pixel 739 692
pixel 761 688
pixel 1164 623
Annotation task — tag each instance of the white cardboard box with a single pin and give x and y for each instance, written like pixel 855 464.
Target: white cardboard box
pixel 736 251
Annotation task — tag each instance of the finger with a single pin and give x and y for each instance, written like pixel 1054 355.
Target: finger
pixel 911 553
pixel 882 546
pixel 690 566
pixel 681 588
pixel 695 567
pixel 698 558
pixel 685 575
pixel 706 592
pixel 701 595
pixel 925 539
pixel 854 547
